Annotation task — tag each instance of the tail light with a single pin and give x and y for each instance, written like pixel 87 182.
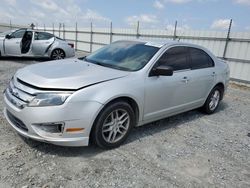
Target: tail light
pixel 71 45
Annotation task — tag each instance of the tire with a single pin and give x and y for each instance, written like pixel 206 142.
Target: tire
pixel 213 100
pixel 57 54
pixel 113 125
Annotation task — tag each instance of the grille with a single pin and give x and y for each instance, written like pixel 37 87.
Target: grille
pixel 17 122
pixel 16 96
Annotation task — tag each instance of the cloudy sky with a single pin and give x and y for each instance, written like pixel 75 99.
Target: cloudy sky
pixel 191 14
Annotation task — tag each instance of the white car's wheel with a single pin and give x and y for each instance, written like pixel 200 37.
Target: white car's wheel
pixel 57 54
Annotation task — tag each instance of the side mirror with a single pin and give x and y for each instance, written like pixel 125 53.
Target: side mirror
pixel 162 70
pixel 8 36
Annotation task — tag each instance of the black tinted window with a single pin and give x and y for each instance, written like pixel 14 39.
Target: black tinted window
pixel 43 36
pixel 200 59
pixel 18 34
pixel 175 57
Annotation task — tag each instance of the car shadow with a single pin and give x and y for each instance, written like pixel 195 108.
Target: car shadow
pixel 63 151
pixel 137 133
pixel 172 122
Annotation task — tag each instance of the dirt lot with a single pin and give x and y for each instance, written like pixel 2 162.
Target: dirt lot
pixel 187 150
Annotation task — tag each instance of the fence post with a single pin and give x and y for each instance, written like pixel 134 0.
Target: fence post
pixel 91 37
pixel 76 38
pixel 111 32
pixel 63 31
pixel 59 29
pixel 175 29
pixel 228 38
pixel 44 27
pixel 137 30
pixel 53 28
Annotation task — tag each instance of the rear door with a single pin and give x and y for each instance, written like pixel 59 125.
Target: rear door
pixel 203 74
pixel 42 41
pixel 12 45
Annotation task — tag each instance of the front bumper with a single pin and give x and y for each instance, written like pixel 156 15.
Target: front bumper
pixel 73 115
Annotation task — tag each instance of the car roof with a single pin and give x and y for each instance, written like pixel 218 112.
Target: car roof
pixel 160 43
pixel 28 29
pixel 163 43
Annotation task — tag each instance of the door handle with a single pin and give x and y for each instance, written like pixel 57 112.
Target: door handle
pixel 213 74
pixel 17 42
pixel 185 79
pixel 47 42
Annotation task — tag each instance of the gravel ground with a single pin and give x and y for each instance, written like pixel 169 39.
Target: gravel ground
pixel 187 150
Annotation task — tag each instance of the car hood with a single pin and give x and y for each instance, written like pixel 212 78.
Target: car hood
pixel 67 74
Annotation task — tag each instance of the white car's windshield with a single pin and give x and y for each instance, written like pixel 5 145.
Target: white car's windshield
pixel 123 55
pixel 5 33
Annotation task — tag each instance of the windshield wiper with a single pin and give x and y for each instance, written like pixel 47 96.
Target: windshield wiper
pixel 104 64
pixel 112 66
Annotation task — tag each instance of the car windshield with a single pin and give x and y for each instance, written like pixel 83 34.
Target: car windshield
pixel 123 55
pixel 5 33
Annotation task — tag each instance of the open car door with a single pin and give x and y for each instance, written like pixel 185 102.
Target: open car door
pixel 26 42
pixel 12 43
pixel 41 43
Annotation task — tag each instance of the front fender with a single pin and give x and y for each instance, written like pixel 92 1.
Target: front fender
pixel 107 91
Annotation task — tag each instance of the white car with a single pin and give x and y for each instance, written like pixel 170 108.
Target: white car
pixel 104 95
pixel 31 43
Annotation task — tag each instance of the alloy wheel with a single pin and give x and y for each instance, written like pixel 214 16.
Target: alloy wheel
pixel 58 54
pixel 214 100
pixel 115 126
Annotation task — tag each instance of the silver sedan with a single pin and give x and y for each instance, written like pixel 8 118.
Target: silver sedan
pixel 104 95
pixel 31 43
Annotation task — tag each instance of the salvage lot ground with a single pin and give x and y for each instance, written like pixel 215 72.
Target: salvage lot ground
pixel 187 150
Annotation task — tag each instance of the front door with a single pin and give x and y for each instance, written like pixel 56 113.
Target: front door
pixel 166 95
pixel 12 45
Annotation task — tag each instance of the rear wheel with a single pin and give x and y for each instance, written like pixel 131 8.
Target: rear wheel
pixel 57 54
pixel 213 100
pixel 113 125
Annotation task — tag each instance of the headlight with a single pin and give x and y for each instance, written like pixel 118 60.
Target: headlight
pixel 49 99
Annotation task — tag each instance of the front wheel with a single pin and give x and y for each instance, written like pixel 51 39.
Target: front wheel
pixel 213 100
pixel 113 125
pixel 57 54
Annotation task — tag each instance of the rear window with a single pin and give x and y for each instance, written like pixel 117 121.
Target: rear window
pixel 200 59
pixel 43 36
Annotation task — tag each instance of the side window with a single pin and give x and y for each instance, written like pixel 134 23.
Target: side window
pixel 42 36
pixel 200 59
pixel 176 57
pixel 18 34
